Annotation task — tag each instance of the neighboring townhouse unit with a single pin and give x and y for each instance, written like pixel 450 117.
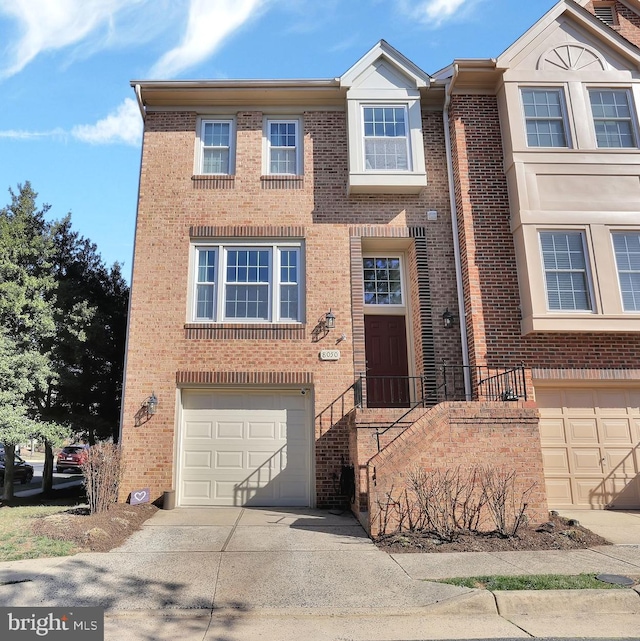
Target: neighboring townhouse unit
pixel 338 280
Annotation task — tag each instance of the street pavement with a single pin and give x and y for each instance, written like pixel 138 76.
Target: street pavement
pixel 232 574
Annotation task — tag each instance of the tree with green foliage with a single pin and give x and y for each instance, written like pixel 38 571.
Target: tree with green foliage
pixel 27 302
pixel 62 333
pixel 88 350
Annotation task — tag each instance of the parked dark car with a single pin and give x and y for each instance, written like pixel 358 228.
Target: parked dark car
pixel 16 449
pixel 71 457
pixel 22 471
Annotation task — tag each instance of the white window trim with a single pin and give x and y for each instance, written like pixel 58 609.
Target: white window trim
pixel 266 144
pixel 407 138
pixel 632 111
pixel 612 233
pixel 274 283
pixel 199 159
pixel 362 180
pixel 563 107
pixel 588 274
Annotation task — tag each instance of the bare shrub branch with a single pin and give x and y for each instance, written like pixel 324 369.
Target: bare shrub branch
pixel 448 502
pixel 102 471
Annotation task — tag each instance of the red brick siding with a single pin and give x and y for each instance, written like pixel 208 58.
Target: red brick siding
pixel 460 434
pixel 628 21
pixel 488 259
pixel 163 344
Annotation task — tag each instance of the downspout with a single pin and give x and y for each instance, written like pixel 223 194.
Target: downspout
pixel 456 241
pixel 133 258
pixel 143 112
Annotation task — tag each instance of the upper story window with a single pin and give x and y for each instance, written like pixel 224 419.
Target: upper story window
pixel 216 147
pixel 283 148
pixel 255 283
pixel 626 246
pixel 565 270
pixel 544 117
pixel 382 280
pixel 612 118
pixel 386 141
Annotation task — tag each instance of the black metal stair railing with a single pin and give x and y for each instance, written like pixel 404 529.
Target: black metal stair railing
pixel 350 399
pixel 411 392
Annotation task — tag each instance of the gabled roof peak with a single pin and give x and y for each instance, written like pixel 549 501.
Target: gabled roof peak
pixel 382 49
pixel 576 11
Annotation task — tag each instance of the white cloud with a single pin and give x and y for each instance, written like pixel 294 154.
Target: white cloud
pixel 83 27
pixel 53 24
pixel 124 125
pixel 21 134
pixel 209 23
pixel 433 13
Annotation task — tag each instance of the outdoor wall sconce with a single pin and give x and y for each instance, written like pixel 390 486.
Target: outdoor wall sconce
pixel 447 319
pixel 329 320
pixel 151 404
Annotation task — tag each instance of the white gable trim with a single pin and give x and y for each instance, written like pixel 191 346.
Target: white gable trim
pixel 584 19
pixel 384 50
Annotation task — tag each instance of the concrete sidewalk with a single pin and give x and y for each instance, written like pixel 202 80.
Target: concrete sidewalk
pixel 235 573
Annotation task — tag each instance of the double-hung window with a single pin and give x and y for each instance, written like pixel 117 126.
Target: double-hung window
pixel 206 283
pixel 255 283
pixel 216 147
pixel 386 138
pixel 283 147
pixel 612 118
pixel 544 117
pixel 565 270
pixel 626 246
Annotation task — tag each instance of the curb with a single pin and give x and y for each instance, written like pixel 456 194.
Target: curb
pixel 561 602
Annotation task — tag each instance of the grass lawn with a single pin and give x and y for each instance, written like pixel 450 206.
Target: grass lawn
pixel 17 541
pixel 533 582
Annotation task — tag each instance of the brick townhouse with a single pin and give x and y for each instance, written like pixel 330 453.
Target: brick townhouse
pixel 338 280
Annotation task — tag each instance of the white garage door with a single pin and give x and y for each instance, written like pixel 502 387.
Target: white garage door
pixel 245 448
pixel 590 439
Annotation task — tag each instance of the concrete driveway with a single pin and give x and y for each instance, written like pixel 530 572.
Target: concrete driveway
pixel 238 558
pixel 239 574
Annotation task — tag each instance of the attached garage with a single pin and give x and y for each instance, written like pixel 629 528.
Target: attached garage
pixel 590 439
pixel 250 447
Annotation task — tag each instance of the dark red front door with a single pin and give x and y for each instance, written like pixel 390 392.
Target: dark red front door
pixel 387 368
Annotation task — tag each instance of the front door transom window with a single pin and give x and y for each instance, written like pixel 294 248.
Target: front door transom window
pixel 382 280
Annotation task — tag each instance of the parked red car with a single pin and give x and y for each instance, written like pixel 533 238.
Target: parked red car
pixel 71 457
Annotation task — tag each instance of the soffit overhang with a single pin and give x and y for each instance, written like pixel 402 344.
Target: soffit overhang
pixel 200 94
pixel 472 75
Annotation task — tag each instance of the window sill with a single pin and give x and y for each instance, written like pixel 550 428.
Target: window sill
pixel 245 331
pixel 387 183
pixel 282 182
pixel 211 181
pixel 581 322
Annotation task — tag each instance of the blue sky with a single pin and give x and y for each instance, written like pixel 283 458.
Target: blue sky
pixel 69 122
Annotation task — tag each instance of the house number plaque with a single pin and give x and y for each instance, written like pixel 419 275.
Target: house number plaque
pixel 329 354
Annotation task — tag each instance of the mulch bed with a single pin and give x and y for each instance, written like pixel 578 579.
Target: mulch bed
pixel 559 536
pixel 95 532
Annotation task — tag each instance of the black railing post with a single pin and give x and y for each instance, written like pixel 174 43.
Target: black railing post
pixel 444 378
pixel 357 392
